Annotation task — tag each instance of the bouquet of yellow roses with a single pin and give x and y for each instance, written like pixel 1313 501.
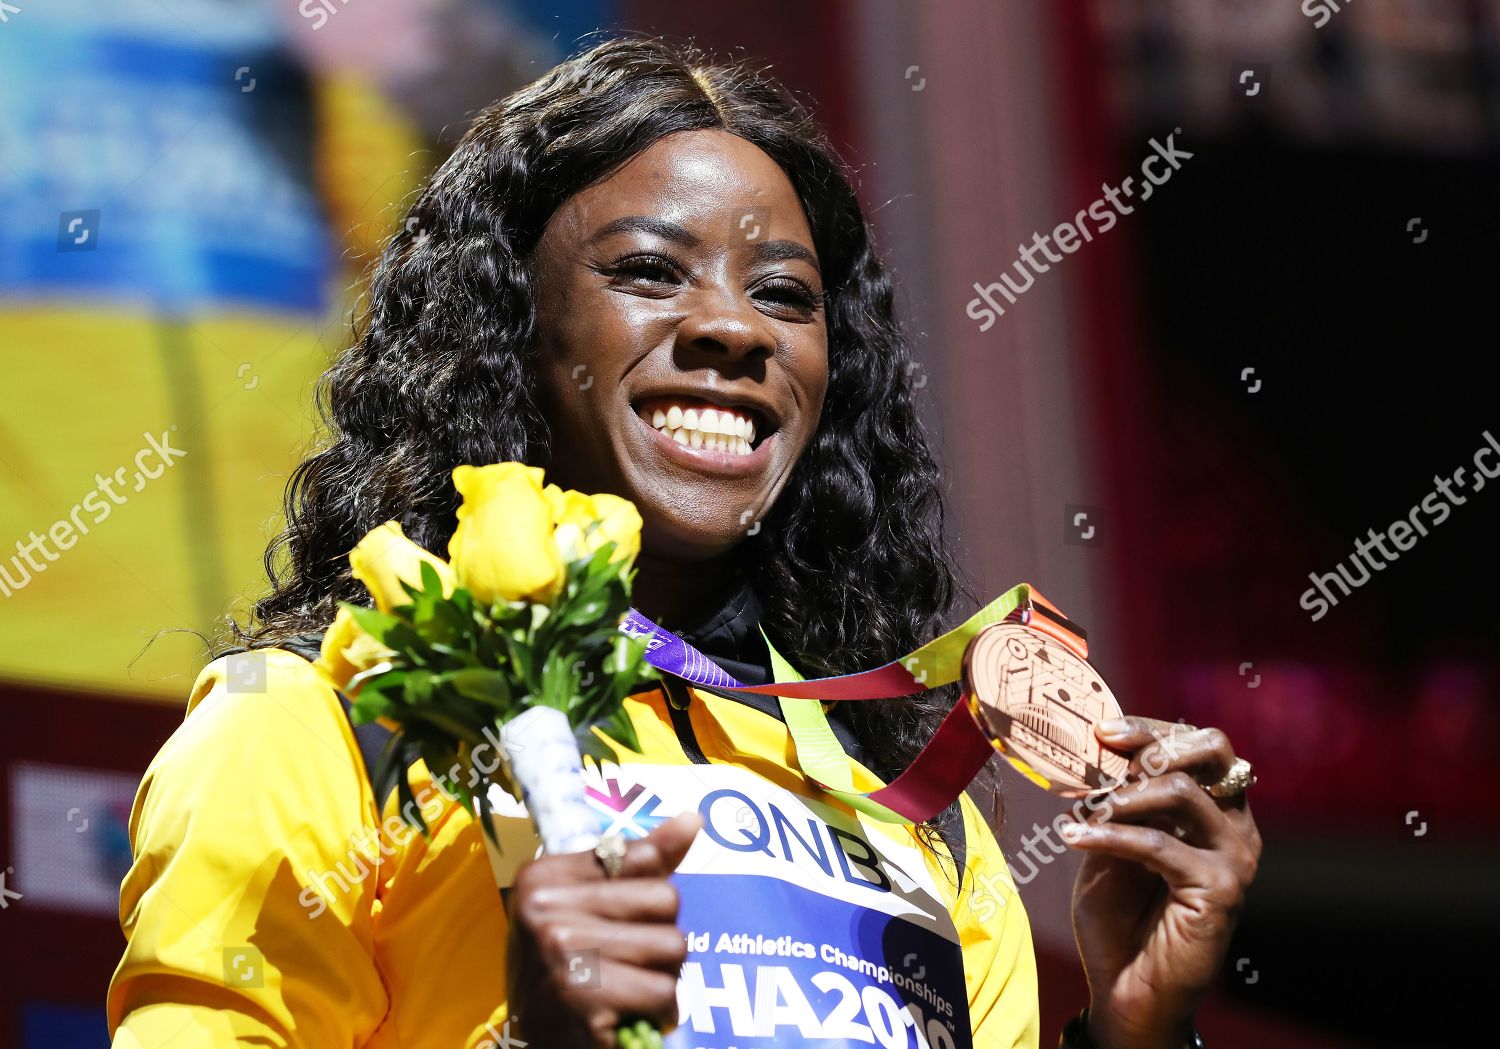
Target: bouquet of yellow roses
pixel 517 634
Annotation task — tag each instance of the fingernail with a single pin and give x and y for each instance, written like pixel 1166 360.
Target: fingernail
pixel 1073 831
pixel 1114 727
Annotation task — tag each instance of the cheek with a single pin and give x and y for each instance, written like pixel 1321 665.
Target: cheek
pixel 572 358
pixel 814 381
pixel 602 334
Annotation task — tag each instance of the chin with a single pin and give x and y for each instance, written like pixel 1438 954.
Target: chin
pixel 687 539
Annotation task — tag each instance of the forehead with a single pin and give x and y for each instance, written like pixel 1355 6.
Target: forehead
pixel 704 180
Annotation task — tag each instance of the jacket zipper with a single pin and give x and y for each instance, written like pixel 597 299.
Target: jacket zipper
pixel 678 701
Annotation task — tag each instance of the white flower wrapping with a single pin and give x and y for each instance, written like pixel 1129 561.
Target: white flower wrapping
pixel 545 763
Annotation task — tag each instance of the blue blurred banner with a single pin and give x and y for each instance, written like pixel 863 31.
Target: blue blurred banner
pixel 143 158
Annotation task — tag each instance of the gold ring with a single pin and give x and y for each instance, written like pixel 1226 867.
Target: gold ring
pixel 610 852
pixel 1236 781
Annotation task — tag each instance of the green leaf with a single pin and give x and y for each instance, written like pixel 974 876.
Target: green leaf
pixel 483 812
pixel 442 764
pixel 617 727
pixel 374 622
pixel 559 681
pixel 450 726
pixel 409 810
pixel 370 678
pixel 522 667
pixel 403 637
pixel 370 706
pixel 486 686
pixel 417 690
pixel 389 767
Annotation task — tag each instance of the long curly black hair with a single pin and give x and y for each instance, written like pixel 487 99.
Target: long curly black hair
pixel 851 565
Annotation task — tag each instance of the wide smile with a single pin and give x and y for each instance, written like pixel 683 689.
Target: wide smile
pixel 721 440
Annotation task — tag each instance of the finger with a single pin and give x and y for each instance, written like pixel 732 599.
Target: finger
pixel 645 946
pixel 617 899
pixel 1132 731
pixel 1180 864
pixel 628 991
pixel 671 841
pixel 614 899
pixel 656 855
pixel 1174 799
pixel 1206 752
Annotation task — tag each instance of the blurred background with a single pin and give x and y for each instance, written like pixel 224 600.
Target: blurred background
pixel 1168 430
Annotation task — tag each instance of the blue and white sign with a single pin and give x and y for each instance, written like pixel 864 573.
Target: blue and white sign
pixel 805 926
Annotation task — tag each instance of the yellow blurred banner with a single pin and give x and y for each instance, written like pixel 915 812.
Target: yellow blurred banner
pixel 161 345
pixel 142 461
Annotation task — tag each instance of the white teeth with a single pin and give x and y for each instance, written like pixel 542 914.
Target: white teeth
pixel 708 442
pixel 710 429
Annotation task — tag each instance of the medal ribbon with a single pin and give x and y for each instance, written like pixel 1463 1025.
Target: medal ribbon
pixel 941 770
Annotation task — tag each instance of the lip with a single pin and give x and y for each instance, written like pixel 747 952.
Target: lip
pixel 718 464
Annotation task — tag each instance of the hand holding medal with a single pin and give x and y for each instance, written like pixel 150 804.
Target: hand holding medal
pixel 1166 802
pixel 1162 797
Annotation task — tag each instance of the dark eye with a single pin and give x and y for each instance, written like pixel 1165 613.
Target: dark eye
pixel 645 269
pixel 792 293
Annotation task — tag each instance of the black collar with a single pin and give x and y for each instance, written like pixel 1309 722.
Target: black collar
pixel 730 636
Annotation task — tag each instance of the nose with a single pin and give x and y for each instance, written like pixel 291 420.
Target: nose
pixel 724 322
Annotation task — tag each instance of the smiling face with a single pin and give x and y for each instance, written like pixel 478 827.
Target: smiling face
pixel 682 341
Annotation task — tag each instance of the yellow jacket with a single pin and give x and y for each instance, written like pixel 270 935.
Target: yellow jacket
pixel 271 902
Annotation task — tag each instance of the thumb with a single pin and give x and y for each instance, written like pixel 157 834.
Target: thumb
pixel 673 838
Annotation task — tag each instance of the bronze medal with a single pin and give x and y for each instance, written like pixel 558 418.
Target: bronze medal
pixel 1038 702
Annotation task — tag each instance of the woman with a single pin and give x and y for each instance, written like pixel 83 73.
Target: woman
pixel 649 275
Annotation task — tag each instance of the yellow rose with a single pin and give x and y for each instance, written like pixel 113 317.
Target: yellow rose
pixel 573 512
pixel 347 650
pixel 385 557
pixel 503 548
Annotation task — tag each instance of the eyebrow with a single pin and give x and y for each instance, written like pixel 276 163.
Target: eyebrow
pixel 763 251
pixel 647 224
pixel 782 251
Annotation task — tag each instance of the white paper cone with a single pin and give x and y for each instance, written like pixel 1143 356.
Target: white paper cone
pixel 546 764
